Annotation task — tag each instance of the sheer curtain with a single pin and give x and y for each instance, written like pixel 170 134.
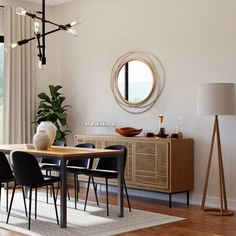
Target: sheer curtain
pixel 19 79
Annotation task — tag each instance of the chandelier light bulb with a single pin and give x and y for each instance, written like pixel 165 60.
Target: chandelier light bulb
pixel 40 64
pixel 36 27
pixel 14 45
pixel 75 22
pixel 21 11
pixel 73 32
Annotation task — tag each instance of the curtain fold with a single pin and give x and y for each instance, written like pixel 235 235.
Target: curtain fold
pixel 19 79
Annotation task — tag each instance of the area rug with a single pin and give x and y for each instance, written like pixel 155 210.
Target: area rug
pixel 93 221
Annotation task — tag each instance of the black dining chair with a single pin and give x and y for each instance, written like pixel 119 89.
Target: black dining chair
pixel 76 168
pixel 107 168
pixel 6 175
pixel 50 165
pixel 28 174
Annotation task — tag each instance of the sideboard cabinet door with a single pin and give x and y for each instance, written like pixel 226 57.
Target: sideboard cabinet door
pixel 151 165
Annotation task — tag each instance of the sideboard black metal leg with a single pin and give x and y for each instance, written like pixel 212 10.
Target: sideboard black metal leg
pixel 188 198
pixel 169 200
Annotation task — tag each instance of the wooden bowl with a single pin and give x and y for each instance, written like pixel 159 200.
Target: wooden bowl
pixel 128 131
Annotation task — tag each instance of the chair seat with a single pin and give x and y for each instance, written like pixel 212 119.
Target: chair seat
pixel 109 174
pixel 50 179
pixel 4 180
pixel 75 169
pixel 49 166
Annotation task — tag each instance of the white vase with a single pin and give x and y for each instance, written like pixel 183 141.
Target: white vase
pixel 50 129
pixel 41 140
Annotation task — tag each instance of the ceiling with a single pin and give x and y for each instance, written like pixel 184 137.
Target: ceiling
pixel 48 2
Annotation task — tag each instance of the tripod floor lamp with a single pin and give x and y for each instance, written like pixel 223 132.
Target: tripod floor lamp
pixel 216 99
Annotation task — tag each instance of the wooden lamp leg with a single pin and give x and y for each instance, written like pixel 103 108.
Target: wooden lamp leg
pixel 223 210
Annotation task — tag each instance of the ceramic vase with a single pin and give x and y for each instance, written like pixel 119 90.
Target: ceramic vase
pixel 41 140
pixel 50 129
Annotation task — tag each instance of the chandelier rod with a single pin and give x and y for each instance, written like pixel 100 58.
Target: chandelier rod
pixel 43 36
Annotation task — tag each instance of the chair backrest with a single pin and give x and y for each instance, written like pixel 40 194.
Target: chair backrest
pixel 110 163
pixel 26 169
pixel 5 169
pixel 59 143
pixel 85 162
pixel 53 161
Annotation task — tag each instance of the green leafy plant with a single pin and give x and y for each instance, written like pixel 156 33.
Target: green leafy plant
pixel 51 108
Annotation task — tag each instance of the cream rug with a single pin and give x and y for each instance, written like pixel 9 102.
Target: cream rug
pixel 92 222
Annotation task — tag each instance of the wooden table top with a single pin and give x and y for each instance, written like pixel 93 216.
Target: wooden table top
pixel 59 151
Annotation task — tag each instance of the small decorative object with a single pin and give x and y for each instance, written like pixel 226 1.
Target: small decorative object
pixel 179 127
pixel 50 129
pixel 149 134
pixel 174 135
pixel 128 131
pixel 161 125
pixel 161 132
pixel 41 140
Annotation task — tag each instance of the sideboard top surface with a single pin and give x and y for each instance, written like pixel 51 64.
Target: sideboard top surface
pixel 135 138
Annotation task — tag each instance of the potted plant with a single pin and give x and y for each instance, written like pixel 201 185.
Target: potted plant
pixel 51 108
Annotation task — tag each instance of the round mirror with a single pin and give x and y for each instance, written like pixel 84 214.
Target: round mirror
pixel 135 81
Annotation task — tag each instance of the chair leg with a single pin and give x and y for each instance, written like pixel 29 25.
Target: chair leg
pixel 12 197
pixel 50 189
pixel 127 196
pixel 35 211
pixel 75 189
pixel 47 188
pixel 107 197
pixel 95 191
pixel 67 190
pixel 68 194
pixel 23 193
pixel 55 203
pixel 30 202
pixel 87 192
pixel 58 185
pixel 0 192
pixel 7 198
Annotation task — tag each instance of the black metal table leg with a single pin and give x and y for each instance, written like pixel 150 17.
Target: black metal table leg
pixel 170 200
pixel 188 198
pixel 63 218
pixel 120 197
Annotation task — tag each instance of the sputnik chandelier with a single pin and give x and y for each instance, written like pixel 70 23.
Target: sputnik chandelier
pixel 40 37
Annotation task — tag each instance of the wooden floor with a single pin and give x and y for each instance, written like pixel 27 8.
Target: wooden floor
pixel 196 223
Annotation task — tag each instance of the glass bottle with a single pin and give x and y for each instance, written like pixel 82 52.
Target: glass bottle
pixel 179 127
pixel 161 124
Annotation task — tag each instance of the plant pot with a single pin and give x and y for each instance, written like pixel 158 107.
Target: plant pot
pixel 41 140
pixel 50 129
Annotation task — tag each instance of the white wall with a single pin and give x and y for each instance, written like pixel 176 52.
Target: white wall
pixel 196 42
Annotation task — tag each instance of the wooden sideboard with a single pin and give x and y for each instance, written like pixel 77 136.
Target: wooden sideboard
pixel 155 164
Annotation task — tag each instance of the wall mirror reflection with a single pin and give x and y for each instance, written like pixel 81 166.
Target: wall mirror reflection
pixel 135 81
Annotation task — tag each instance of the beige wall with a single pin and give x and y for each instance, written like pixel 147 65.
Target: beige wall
pixel 195 41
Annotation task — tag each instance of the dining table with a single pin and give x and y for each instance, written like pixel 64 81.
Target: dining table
pixel 65 154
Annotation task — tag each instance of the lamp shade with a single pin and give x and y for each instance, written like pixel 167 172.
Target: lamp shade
pixel 216 99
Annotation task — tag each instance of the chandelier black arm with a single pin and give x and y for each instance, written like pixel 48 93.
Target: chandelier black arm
pixel 37 36
pixel 24 41
pixel 63 27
